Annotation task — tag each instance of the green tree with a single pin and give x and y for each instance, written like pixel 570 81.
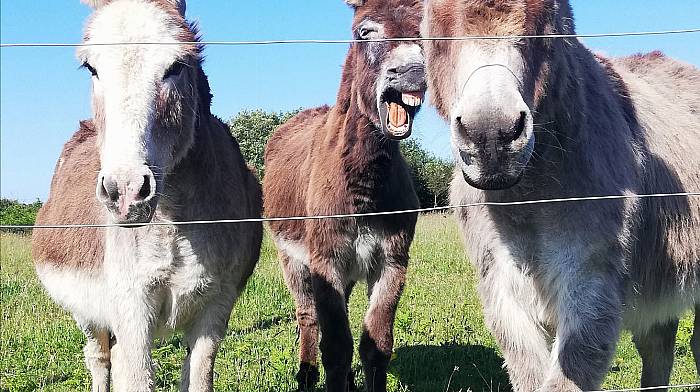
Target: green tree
pixel 431 175
pixel 12 212
pixel 252 128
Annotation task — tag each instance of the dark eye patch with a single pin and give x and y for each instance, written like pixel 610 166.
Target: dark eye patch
pixel 90 68
pixel 174 70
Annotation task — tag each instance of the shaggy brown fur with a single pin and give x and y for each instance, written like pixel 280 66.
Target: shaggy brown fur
pixel 602 126
pixel 334 160
pixel 77 165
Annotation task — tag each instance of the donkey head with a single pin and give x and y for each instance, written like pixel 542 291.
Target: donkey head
pixel 389 77
pixel 143 98
pixel 489 89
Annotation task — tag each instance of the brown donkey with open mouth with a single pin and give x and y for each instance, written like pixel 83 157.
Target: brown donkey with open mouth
pixel 345 159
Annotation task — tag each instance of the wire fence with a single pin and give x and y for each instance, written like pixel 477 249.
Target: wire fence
pixel 351 41
pixel 359 215
pixel 382 213
pixel 661 387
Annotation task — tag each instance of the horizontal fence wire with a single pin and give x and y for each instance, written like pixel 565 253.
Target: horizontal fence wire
pixel 696 385
pixel 359 215
pixel 350 41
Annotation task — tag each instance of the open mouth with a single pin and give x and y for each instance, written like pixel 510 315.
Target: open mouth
pixel 397 110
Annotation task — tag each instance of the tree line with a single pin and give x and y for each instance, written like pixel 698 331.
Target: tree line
pixel 431 174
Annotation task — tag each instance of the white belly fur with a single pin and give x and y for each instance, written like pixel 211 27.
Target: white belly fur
pixel 365 247
pixel 170 277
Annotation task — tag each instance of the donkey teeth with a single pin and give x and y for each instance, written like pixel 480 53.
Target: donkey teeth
pixel 397 115
pixel 412 99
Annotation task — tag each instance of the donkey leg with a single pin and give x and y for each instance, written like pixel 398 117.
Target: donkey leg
pixel 695 340
pixel 656 349
pixel 298 278
pixel 377 341
pixel 505 292
pixel 97 357
pixel 203 338
pixel 132 364
pixel 589 311
pixel 336 338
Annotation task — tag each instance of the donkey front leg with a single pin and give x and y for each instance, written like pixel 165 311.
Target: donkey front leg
pixel 656 347
pixel 97 357
pixel 589 322
pixel 132 365
pixel 695 340
pixel 507 295
pixel 336 338
pixel 298 279
pixel 377 341
pixel 203 338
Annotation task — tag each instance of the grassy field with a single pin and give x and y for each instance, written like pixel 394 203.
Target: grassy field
pixel 441 341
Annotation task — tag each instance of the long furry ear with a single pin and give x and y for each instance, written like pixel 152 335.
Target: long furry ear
pixel 95 3
pixel 355 3
pixel 180 4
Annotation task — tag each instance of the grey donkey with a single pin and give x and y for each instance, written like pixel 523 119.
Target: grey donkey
pixel 546 118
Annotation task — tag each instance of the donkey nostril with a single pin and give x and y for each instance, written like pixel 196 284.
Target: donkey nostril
pixel 102 193
pixel 108 190
pixel 145 190
pixel 519 126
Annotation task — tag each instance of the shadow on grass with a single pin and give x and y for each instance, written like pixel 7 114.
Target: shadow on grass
pixel 464 367
pixel 262 325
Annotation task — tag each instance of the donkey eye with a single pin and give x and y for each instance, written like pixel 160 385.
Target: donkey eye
pixel 90 68
pixel 174 70
pixel 366 32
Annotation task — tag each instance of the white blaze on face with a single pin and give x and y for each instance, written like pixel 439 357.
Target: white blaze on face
pixel 489 76
pixel 488 85
pixel 125 88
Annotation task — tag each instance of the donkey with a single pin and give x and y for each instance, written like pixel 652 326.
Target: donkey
pixel 546 118
pixel 346 159
pixel 152 153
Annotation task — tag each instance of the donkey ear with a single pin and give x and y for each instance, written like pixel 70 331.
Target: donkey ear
pixel 180 4
pixel 355 3
pixel 95 3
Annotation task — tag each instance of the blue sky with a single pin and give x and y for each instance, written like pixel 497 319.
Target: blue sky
pixel 43 94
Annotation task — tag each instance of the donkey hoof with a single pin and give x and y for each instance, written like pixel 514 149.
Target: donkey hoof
pixel 307 377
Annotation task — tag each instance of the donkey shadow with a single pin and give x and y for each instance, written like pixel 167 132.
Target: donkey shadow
pixel 450 368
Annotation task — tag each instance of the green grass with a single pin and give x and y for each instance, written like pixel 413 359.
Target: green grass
pixel 440 334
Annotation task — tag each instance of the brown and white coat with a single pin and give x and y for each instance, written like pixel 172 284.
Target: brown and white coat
pixel 342 159
pixel 152 153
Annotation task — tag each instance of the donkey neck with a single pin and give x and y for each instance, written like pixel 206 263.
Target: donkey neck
pixel 365 153
pixel 356 132
pixel 201 164
pixel 585 124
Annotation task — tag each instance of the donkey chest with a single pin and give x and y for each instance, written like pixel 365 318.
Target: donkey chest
pixel 365 249
pixel 168 274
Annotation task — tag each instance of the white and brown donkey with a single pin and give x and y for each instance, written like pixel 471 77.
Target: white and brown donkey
pixel 345 159
pixel 545 118
pixel 152 153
